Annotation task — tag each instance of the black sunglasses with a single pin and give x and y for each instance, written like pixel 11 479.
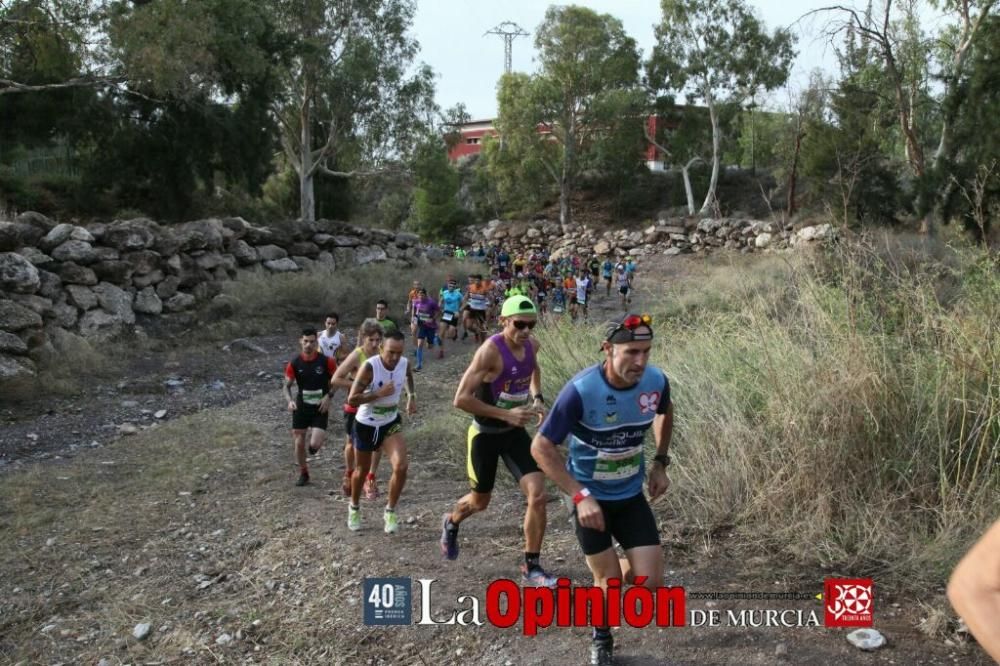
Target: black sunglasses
pixel 521 325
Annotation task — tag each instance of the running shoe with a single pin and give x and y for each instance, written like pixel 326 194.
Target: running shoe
pixel 371 490
pixel 313 451
pixel 418 368
pixel 391 522
pixel 353 519
pixel 602 652
pixel 345 487
pixel 303 479
pixel 449 539
pixel 536 577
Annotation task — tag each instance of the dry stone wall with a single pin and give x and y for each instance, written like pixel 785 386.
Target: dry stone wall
pixel 59 280
pixel 668 236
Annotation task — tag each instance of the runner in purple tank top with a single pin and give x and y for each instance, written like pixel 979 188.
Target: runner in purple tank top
pixel 501 389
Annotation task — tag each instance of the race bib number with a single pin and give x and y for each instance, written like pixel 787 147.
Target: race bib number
pixel 312 397
pixel 448 317
pixel 512 400
pixel 384 411
pixel 617 465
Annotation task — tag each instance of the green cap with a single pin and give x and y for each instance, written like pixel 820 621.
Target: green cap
pixel 516 305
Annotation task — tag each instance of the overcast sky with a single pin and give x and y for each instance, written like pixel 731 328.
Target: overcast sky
pixel 468 64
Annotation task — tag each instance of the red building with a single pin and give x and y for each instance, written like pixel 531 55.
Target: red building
pixel 474 132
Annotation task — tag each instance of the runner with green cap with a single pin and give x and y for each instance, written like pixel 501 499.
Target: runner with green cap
pixel 501 389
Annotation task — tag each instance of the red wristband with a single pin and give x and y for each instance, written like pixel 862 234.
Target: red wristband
pixel 579 497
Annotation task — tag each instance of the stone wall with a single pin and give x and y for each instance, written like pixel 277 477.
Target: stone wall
pixel 58 280
pixel 669 236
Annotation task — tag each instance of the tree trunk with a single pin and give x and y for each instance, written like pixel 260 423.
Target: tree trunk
pixel 307 196
pixel 686 175
pixel 710 196
pixel 566 181
pixel 793 174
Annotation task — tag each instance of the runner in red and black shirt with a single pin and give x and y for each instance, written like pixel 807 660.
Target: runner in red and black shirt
pixel 310 407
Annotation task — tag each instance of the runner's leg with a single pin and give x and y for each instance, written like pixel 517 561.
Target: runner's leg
pixel 395 448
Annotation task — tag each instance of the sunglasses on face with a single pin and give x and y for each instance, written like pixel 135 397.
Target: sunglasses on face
pixel 521 325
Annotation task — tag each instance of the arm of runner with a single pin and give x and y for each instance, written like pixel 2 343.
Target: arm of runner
pixel 663 426
pixel 286 387
pixel 341 378
pixel 486 361
pixel 974 590
pixel 544 451
pixel 358 396
pixel 411 393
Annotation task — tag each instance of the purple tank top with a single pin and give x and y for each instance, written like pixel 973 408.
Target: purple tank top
pixel 512 387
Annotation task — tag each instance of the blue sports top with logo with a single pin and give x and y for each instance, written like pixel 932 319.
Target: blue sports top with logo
pixel 606 428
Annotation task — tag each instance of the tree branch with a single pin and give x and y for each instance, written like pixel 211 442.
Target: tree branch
pixel 9 87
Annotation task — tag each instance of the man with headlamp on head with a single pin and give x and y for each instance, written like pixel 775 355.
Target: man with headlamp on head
pixel 604 412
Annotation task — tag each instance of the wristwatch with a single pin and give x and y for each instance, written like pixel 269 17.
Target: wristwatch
pixel 663 459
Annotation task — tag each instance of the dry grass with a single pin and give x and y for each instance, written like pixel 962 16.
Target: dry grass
pixel 843 408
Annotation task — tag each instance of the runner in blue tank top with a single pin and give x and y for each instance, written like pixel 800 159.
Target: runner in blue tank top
pixel 501 389
pixel 604 413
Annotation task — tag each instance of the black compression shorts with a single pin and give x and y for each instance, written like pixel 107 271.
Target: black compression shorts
pixel 309 416
pixel 486 449
pixel 630 521
pixel 370 438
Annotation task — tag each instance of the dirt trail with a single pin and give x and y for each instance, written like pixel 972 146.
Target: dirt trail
pixel 284 573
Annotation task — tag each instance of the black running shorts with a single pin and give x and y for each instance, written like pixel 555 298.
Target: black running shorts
pixel 630 521
pixel 309 416
pixel 370 438
pixel 486 449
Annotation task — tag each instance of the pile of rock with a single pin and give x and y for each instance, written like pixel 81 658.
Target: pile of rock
pixel 669 236
pixel 64 279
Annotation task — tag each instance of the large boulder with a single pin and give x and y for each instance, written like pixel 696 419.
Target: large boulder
pixel 18 234
pixel 117 272
pixel 147 279
pixel 17 274
pixel 81 234
pixel 15 368
pixel 368 254
pixel 179 301
pixel 271 253
pixel 11 344
pixel 63 314
pixel 77 251
pixel 16 317
pixel 100 325
pixel 59 235
pixel 131 235
pixel 200 235
pixel 50 284
pixel 244 253
pixel 35 219
pixel 147 302
pixel 143 261
pixel 81 296
pixel 406 239
pixel 35 256
pixel 71 273
pixel 115 301
pixel 283 265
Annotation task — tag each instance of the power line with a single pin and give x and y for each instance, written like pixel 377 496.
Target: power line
pixel 509 31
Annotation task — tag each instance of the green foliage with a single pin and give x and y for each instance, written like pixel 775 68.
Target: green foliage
pixel 436 213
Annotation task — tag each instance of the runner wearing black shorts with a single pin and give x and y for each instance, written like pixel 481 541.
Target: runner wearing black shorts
pixel 312 373
pixel 369 338
pixel 605 466
pixel 501 389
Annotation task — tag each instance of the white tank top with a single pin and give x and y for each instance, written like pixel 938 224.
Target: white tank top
pixel 384 410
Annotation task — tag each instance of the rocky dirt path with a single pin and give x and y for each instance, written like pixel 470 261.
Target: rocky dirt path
pixel 194 528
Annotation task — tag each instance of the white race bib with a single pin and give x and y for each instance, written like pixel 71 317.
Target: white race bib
pixel 617 465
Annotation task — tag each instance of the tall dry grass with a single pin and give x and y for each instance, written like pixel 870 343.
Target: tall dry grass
pixel 840 407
